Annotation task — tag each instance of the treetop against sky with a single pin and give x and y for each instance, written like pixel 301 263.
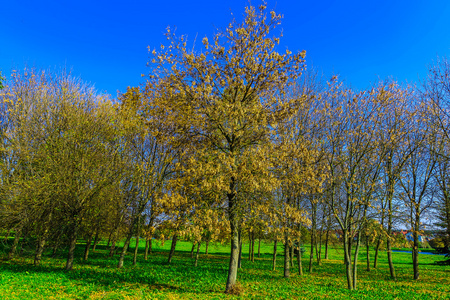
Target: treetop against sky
pixel 106 42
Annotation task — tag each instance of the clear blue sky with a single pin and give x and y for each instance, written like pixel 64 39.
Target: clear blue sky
pixel 105 42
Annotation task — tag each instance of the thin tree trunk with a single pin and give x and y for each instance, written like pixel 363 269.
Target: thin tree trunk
pixel 388 243
pixel 299 260
pixel 348 261
pixel 415 252
pixel 207 247
pixel 192 250
pixel 96 239
pixel 112 250
pixel 136 249
pixel 311 252
pixel 134 221
pixel 259 247
pixel 274 259
pixel 172 247
pixel 40 249
pixel 17 235
pixel 146 248
pixel 286 257
pixel 72 245
pixel 234 226
pixel 367 253
pixel 240 250
pixel 253 247
pixel 196 255
pixel 86 249
pixel 355 262
pixel 377 247
pixel 291 255
pixel 326 243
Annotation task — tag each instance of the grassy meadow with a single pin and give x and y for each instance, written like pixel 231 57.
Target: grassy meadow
pixel 156 279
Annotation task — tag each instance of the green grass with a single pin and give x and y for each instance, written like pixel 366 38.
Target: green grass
pixel 156 279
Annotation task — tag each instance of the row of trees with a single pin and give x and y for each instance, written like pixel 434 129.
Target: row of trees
pixel 234 140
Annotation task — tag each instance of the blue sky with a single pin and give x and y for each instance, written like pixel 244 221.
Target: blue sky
pixel 105 42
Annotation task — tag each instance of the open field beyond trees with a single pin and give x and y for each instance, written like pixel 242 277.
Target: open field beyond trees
pixel 156 279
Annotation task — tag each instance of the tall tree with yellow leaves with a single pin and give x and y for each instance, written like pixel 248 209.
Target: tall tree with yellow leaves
pixel 223 101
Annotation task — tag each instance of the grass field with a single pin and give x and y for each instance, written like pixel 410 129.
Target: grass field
pixel 156 279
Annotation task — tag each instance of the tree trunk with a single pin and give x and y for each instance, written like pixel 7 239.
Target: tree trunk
pixel 172 247
pixel 134 221
pixel 96 239
pixel 319 248
pixel 286 256
pixel 17 235
pixel 377 247
pixel 192 250
pixel 112 250
pixel 240 250
pixel 291 255
pixel 72 245
pixel 367 253
pixel 253 247
pixel 348 260
pixel 146 248
pixel 415 252
pixel 234 253
pixel 86 249
pixel 326 243
pixel 355 261
pixel 388 243
pixel 299 260
pixel 207 247
pixel 274 259
pixel 311 252
pixel 39 249
pixel 196 255
pixel 259 247
pixel 389 255
pixel 136 249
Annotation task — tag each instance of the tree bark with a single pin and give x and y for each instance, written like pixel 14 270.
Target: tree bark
pixel 146 248
pixel 326 243
pixel 40 249
pixel 240 249
pixel 17 235
pixel 348 260
pixel 377 247
pixel 192 250
pixel 286 257
pixel 259 247
pixel 196 255
pixel 86 249
pixel 234 226
pixel 172 247
pixel 299 260
pixel 367 253
pixel 311 252
pixel 72 245
pixel 207 247
pixel 274 259
pixel 127 241
pixel 96 239
pixel 253 247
